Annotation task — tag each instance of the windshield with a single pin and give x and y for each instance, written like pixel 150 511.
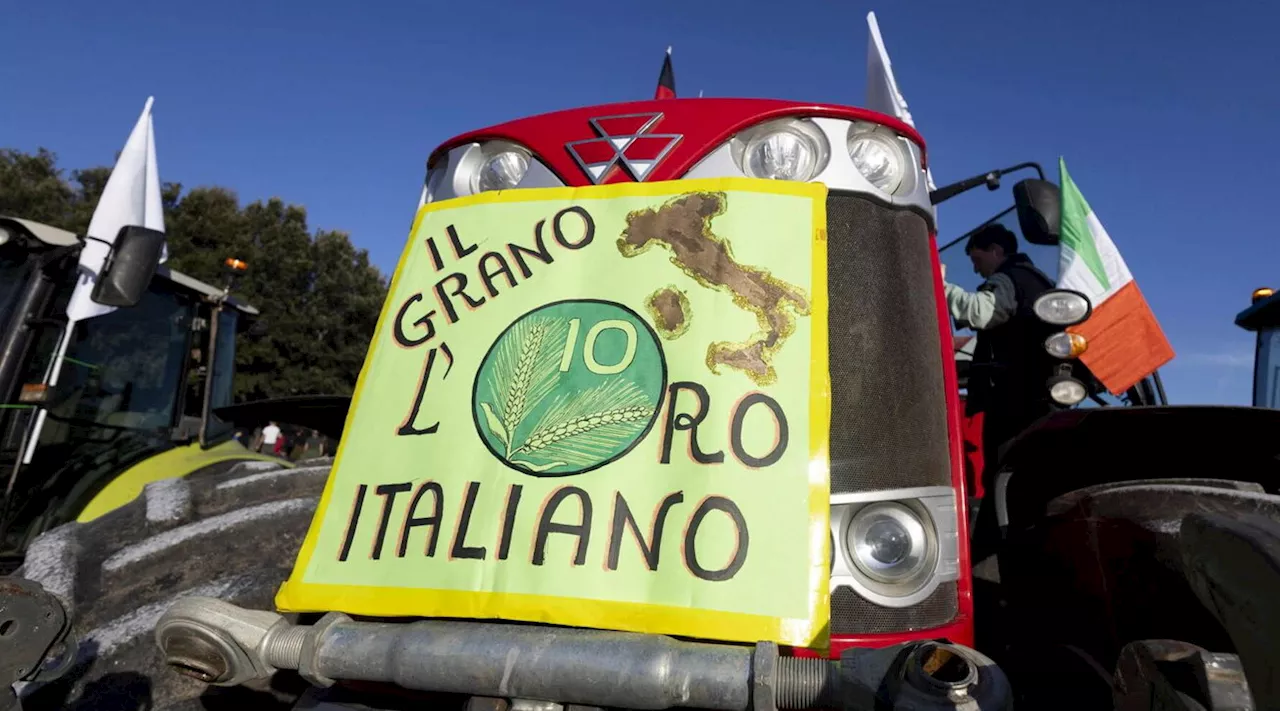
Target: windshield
pixel 960 272
pixel 960 269
pixel 1266 376
pixel 224 365
pixel 123 370
pixel 13 262
pixel 114 404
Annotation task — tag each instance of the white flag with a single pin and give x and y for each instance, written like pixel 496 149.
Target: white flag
pixel 131 197
pixel 882 89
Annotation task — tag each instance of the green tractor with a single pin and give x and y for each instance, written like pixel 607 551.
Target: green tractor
pixel 137 397
pixel 1263 318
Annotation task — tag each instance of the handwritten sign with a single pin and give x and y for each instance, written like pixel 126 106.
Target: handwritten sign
pixel 603 407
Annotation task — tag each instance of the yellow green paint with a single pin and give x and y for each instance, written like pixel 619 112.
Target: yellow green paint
pixel 176 462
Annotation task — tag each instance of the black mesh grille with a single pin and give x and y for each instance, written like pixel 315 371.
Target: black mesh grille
pixel 852 614
pixel 888 409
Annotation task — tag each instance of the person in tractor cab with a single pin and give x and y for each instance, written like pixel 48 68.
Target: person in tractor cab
pixel 1010 364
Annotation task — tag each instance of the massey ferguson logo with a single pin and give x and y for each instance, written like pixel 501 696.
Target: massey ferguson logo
pixel 625 140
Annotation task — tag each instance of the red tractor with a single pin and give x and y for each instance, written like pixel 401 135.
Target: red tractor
pixel 902 618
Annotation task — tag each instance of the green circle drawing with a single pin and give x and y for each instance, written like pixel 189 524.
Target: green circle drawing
pixel 569 387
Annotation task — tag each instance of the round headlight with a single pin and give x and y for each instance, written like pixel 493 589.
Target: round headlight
pixel 502 168
pixel 1065 345
pixel 1066 390
pixel 785 150
pixel 1062 308
pixel 888 543
pixel 878 156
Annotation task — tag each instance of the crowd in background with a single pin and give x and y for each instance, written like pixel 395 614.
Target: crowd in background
pixel 287 442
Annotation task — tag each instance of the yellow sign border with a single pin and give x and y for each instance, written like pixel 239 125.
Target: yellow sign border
pixel 296 595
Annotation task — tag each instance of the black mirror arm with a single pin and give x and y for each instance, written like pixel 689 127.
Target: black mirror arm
pixel 991 179
pixel 1021 166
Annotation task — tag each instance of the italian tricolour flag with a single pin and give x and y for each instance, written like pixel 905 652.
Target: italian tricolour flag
pixel 1125 342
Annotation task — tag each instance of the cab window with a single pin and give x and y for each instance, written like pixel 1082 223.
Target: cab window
pixel 13 268
pixel 960 270
pixel 123 370
pixel 961 273
pixel 221 391
pixel 1266 375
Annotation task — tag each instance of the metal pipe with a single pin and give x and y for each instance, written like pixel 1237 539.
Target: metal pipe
pixel 220 643
pixel 15 345
pixel 572 666
pixel 18 334
pixel 990 179
pixel 807 684
pixel 1159 382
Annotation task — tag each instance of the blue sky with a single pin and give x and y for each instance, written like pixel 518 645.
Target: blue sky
pixel 1165 112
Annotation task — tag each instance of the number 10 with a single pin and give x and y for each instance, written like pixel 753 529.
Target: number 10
pixel 589 347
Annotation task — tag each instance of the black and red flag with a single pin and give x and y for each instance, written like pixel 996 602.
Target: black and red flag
pixel 666 80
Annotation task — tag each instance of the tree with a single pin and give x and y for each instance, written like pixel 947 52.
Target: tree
pixel 319 295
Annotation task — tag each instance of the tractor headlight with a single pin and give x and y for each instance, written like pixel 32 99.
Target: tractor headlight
pixel 878 155
pixel 788 149
pixel 889 544
pixel 1061 307
pixel 1066 390
pixel 501 167
pixel 1065 345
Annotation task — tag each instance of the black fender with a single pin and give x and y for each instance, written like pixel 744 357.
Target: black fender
pixel 1192 560
pixel 1075 449
pixel 326 414
pixel 1098 549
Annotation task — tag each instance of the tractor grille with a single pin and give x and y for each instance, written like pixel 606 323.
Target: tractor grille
pixel 853 614
pixel 888 409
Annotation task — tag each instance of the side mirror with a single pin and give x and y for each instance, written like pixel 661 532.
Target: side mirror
pixel 130 266
pixel 1038 203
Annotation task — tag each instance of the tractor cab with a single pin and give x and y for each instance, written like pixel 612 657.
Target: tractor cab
pixel 1033 220
pixel 83 435
pixel 1263 318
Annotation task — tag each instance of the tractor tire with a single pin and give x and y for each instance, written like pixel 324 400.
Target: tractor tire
pixel 231 532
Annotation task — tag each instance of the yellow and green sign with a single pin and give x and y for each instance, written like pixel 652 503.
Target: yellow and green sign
pixel 602 407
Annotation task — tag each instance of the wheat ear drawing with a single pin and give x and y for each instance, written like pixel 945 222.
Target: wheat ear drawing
pixel 513 409
pixel 581 425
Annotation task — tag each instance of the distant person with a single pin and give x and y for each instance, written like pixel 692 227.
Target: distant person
pixel 1007 378
pixel 313 443
pixel 271 438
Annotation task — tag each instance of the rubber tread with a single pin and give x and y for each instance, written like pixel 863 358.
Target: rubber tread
pixel 228 531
